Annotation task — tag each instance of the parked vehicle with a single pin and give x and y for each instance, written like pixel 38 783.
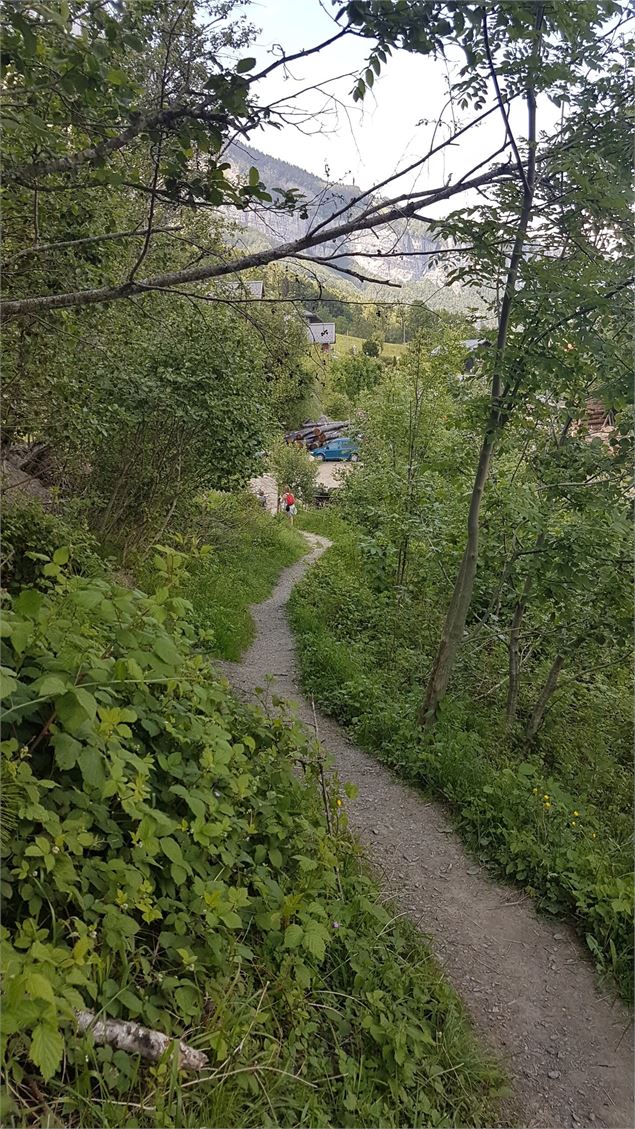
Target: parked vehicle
pixel 337 451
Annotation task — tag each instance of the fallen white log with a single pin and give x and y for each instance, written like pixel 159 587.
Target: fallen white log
pixel 126 1035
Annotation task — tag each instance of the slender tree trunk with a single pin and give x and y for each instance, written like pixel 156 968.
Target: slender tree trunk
pixel 538 712
pixel 514 663
pixel 454 625
pixel 514 643
pixel 460 600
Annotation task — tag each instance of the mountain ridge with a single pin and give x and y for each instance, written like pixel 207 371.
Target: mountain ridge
pixel 320 200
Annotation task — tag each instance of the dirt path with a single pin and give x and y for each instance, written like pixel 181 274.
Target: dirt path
pixel 531 991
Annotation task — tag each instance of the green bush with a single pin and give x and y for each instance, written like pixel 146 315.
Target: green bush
pixel 30 536
pixel 169 865
pixel 563 835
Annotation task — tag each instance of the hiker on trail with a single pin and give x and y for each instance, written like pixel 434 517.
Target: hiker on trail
pixel 262 498
pixel 287 502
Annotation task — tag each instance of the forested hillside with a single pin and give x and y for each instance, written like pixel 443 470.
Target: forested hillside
pixel 192 930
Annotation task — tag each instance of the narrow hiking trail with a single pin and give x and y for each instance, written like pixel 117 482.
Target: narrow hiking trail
pixel 530 989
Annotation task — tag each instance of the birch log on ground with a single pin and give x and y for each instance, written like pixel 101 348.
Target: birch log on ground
pixel 126 1035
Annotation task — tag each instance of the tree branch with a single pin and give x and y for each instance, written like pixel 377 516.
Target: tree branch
pixel 127 289
pixel 42 248
pixel 95 154
pixel 501 103
pixel 133 1038
pixel 348 270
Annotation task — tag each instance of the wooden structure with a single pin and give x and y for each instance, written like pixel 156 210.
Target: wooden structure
pixel 314 433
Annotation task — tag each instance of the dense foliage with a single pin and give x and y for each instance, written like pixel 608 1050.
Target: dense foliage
pixel 542 786
pixel 167 864
pixel 293 468
pixel 169 854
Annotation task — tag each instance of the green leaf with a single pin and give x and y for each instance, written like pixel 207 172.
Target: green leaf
pixel 87 701
pixel 91 764
pixel 39 987
pixel 47 1047
pixel 171 848
pixel 51 686
pixel 187 997
pixel 245 65
pixel 315 938
pixel 292 936
pixel 70 711
pixel 166 651
pixel 29 602
pixel 8 682
pixel 179 873
pixel 62 556
pixel 275 858
pixel 254 176
pixel 67 750
pixel 88 597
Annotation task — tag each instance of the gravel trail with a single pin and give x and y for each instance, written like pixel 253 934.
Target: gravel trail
pixel 527 983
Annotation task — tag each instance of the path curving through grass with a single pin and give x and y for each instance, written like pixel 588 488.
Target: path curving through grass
pixel 531 990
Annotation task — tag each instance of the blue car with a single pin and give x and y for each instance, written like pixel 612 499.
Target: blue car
pixel 337 451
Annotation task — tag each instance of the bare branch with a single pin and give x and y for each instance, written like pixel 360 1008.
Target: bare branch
pixel 501 103
pixel 409 168
pixel 132 1037
pixel 349 271
pixel 257 259
pixel 66 244
pixel 304 54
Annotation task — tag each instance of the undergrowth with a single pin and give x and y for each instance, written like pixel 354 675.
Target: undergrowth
pixel 167 862
pixel 559 823
pixel 249 548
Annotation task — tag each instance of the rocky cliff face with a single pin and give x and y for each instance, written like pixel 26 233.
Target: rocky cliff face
pixel 320 201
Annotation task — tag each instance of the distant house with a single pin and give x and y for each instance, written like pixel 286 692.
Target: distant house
pixel 471 345
pixel 255 288
pixel 599 419
pixel 245 289
pixel 319 332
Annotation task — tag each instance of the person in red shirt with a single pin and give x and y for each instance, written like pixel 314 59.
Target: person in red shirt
pixel 287 502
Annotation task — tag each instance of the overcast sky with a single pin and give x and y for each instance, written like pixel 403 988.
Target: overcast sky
pixel 362 145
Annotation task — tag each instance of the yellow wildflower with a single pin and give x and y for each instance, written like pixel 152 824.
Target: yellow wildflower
pixel 573 823
pixel 547 805
pixel 545 797
pixel 339 803
pixel 593 835
pixel 535 791
pixel 576 813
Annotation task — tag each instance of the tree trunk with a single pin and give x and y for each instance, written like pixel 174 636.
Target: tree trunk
pixel 514 661
pixel 519 612
pixel 456 616
pixel 460 600
pixel 514 643
pixel 538 712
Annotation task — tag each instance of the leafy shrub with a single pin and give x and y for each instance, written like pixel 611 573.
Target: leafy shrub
pixel 169 865
pixel 569 849
pixel 30 536
pixel 293 467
